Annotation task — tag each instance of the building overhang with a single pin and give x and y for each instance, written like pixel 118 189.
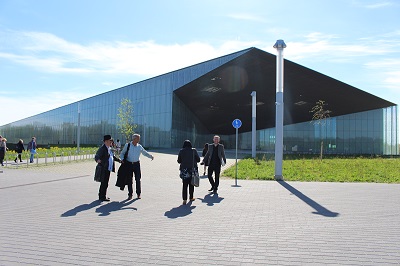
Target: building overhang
pixel 223 94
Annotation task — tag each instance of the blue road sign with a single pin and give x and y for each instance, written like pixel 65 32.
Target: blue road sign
pixel 237 123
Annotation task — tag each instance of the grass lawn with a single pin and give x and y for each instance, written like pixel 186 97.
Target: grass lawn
pixel 335 169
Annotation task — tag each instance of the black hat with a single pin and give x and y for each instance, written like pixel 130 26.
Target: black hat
pixel 107 137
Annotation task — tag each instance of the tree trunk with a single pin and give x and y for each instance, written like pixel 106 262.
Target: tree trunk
pixel 322 148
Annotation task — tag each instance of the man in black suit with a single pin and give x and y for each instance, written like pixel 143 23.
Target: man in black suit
pixel 105 157
pixel 214 158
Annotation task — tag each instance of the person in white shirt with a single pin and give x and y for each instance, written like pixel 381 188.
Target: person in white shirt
pixel 133 160
pixel 118 146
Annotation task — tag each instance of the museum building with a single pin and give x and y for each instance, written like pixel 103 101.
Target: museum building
pixel 202 100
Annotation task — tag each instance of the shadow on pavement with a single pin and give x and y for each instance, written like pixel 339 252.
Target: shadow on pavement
pixel 81 208
pixel 180 211
pixel 211 199
pixel 114 206
pixel 320 210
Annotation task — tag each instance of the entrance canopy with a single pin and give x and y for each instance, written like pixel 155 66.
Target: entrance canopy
pixel 223 94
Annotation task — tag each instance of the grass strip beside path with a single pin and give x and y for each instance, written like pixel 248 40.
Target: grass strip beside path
pixel 376 170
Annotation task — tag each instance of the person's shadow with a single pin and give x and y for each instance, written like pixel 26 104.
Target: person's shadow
pixel 180 211
pixel 211 199
pixel 319 209
pixel 81 208
pixel 114 206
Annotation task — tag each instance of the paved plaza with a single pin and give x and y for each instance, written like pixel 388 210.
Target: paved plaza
pixel 50 215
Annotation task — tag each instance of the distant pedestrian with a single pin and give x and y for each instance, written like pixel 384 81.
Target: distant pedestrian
pixel 118 146
pixel 32 149
pixel 19 149
pixel 3 149
pixel 105 157
pixel 205 150
pixel 133 160
pixel 188 159
pixel 214 158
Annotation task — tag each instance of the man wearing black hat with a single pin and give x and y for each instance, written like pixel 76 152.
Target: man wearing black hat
pixel 105 157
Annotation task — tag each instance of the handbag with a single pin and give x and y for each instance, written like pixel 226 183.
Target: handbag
pixel 195 175
pixel 97 173
pixel 195 178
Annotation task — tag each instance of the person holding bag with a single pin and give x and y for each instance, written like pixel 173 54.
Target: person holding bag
pixel 188 159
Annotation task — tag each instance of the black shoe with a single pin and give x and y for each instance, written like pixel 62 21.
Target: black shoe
pixel 105 199
pixel 15 160
pixel 211 189
pixel 129 197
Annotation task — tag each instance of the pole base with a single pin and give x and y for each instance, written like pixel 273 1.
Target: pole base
pixel 278 177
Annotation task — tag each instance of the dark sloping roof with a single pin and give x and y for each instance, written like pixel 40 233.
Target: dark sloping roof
pixel 223 94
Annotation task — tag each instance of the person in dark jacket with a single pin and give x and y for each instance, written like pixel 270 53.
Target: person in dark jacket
pixel 188 159
pixel 19 149
pixel 214 158
pixel 105 157
pixel 205 150
pixel 3 149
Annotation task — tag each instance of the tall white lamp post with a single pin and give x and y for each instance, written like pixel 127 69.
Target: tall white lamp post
pixel 253 124
pixel 78 133
pixel 279 45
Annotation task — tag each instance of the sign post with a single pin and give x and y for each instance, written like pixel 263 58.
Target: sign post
pixel 236 124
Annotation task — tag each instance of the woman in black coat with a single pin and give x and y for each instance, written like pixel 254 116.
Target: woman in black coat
pixel 19 149
pixel 188 159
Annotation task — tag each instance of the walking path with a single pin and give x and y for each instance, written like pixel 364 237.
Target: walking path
pixel 50 216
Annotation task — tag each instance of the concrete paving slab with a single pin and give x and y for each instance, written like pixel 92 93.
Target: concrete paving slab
pixel 50 216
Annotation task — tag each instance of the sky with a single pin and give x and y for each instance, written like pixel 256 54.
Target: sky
pixel 53 53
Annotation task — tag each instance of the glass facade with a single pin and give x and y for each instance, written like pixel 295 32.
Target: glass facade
pixel 164 121
pixel 370 132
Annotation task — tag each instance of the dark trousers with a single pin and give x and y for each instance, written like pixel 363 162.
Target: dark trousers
pixel 104 185
pixel 217 170
pixel 2 154
pixel 18 157
pixel 185 184
pixel 134 169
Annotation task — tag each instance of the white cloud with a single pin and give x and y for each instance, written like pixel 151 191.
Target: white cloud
pixel 391 71
pixel 249 17
pixel 379 5
pixel 48 53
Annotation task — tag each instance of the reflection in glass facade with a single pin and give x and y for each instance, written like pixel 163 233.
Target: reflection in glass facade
pixel 165 122
pixel 370 132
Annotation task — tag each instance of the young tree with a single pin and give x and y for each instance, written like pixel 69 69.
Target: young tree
pixel 125 119
pixel 320 114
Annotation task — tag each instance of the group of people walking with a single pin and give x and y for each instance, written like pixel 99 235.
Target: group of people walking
pixel 131 165
pixel 19 148
pixel 188 158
